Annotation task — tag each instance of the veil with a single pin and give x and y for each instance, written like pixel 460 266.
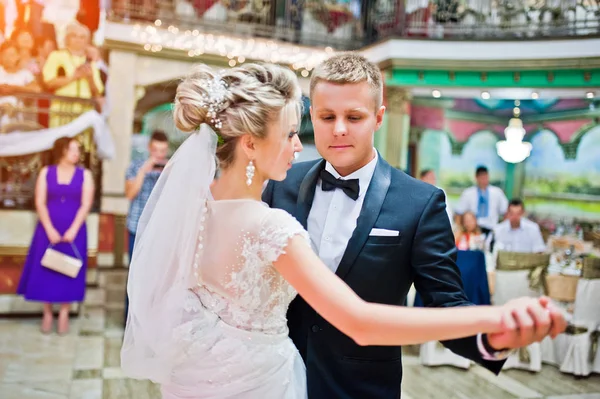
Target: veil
pixel 160 272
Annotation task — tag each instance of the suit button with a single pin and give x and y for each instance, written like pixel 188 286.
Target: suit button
pixel 315 328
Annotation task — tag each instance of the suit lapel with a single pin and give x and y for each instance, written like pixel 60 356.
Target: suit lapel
pixel 371 208
pixel 306 194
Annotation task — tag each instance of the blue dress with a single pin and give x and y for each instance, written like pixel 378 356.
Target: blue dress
pixel 39 283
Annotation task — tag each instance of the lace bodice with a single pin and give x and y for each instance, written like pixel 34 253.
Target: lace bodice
pixel 238 242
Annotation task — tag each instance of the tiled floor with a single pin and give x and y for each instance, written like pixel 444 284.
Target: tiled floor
pixel 85 363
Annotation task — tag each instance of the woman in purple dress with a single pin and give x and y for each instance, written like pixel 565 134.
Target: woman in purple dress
pixel 63 197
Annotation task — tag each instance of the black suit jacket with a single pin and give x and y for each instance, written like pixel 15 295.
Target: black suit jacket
pixel 380 269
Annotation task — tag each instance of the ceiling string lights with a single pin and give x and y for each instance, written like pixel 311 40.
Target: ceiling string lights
pixel 154 38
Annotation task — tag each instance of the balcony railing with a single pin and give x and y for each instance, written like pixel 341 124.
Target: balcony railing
pixel 354 24
pixel 30 112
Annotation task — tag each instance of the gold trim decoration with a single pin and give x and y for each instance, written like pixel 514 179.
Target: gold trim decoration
pixel 591 268
pixel 594 337
pixel 514 261
pixel 524 355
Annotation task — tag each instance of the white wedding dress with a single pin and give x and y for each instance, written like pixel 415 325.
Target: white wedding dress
pixel 234 340
pixel 207 310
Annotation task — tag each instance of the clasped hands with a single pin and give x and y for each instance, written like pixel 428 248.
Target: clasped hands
pixel 525 321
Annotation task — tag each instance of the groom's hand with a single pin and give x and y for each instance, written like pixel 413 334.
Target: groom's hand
pixel 529 321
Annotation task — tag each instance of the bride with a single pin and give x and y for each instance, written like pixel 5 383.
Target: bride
pixel 214 268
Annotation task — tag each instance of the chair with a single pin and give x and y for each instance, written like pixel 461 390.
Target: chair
pixel 517 275
pixel 580 342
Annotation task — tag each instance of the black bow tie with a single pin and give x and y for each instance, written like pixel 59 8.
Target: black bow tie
pixel 329 182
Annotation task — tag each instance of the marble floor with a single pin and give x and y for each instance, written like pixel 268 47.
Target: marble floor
pixel 85 363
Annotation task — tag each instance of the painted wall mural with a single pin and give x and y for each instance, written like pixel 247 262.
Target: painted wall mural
pixel 456 172
pixel 567 187
pixel 561 178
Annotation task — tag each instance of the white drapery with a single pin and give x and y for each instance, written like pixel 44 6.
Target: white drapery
pixel 23 143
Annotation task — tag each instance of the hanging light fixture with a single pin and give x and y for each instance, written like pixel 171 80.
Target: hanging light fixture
pixel 513 149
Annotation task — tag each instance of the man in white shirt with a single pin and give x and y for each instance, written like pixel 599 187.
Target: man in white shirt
pixel 486 201
pixel 518 234
pixel 379 230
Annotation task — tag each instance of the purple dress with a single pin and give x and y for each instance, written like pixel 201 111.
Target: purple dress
pixel 39 283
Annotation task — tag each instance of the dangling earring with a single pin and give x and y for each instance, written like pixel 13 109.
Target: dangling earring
pixel 249 173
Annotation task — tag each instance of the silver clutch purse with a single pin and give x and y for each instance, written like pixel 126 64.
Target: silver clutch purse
pixel 62 263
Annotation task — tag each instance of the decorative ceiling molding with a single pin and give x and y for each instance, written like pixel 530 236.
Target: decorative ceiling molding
pixel 429 51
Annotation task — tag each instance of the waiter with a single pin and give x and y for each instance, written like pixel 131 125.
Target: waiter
pixel 487 202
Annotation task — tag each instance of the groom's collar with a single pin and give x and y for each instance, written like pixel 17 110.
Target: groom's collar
pixel 364 174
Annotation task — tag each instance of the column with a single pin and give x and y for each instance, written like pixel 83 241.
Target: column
pixel 122 97
pixel 515 178
pixel 397 133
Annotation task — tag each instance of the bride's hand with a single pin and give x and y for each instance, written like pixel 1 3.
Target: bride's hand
pixel 525 321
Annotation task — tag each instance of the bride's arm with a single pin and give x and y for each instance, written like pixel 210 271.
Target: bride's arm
pixel 377 324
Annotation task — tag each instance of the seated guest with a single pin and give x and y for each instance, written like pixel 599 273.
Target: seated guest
pixel 518 234
pixel 470 236
pixel 13 80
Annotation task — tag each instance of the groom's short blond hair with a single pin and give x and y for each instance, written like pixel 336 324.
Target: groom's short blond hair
pixel 348 68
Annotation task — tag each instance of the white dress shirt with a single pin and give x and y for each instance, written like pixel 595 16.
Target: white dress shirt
pixel 497 205
pixel 525 238
pixel 333 215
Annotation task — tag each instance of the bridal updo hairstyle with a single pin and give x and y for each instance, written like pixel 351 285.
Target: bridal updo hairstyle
pixel 256 95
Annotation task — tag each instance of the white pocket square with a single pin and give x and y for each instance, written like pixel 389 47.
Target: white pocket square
pixel 384 232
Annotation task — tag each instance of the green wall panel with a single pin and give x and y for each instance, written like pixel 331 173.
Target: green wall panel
pixel 542 79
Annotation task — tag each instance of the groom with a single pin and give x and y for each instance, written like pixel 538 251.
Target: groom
pixel 379 230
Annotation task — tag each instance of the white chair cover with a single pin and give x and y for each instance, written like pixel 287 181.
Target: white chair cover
pixel 528 358
pixel 434 353
pixel 579 358
pixel 510 285
pixel 554 350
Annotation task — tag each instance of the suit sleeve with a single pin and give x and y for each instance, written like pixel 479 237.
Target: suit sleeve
pixel 267 194
pixel 436 275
